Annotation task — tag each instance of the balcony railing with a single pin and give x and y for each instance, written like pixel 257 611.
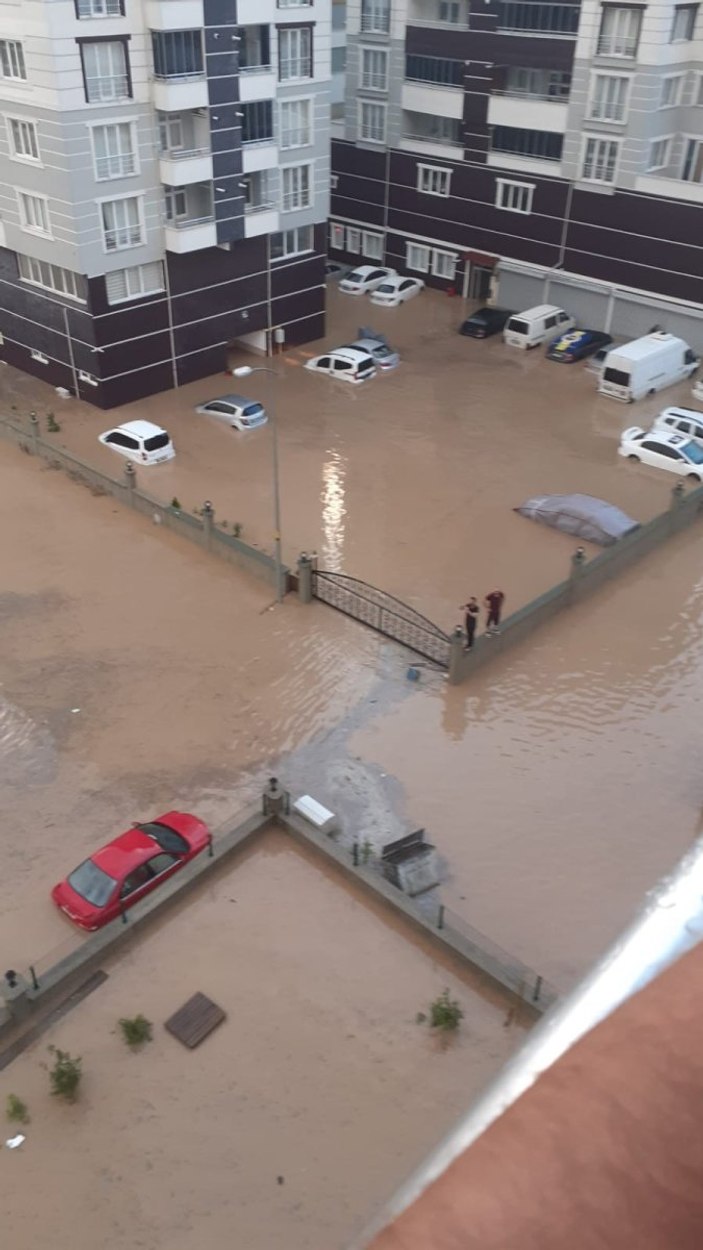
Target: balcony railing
pixel 193 75
pixel 108 87
pixel 617 45
pixel 183 154
pixel 522 94
pixel 259 142
pixel 118 166
pixel 122 236
pixel 538 19
pixel 439 139
pixel 261 206
pixel 186 223
pixel 256 69
pixel 374 82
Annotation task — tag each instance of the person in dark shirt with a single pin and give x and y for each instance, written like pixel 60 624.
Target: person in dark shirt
pixel 494 603
pixel 471 611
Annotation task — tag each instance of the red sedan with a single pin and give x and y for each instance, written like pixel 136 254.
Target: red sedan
pixel 125 870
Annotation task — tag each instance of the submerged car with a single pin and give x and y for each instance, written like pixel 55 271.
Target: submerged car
pixel 238 411
pixel 130 867
pixel 377 347
pixel 485 322
pixel 334 271
pixel 364 278
pixel 141 441
pixel 682 421
pixel 664 449
pixel 349 363
pixel 577 345
pixel 396 290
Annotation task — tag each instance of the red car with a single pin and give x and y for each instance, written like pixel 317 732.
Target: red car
pixel 125 870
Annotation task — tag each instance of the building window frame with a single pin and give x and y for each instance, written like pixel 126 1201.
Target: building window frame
pixel 35 271
pixel 513 196
pixel 372 80
pixel 303 59
pixel 125 75
pixel 686 18
pixel 303 188
pixel 337 236
pixel 155 287
pixel 372 252
pixel 434 180
pixel 88 9
pixel 375 17
pixel 13 121
pixel 28 218
pixel 131 123
pixel 364 106
pixel 593 113
pixel 623 43
pixel 13 67
pixel 676 81
pixel 597 161
pixel 439 255
pixel 692 144
pixel 417 257
pixel 653 164
pixel 139 241
pixel 300 130
pixel 300 248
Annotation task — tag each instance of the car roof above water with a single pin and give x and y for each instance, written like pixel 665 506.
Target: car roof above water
pixel 140 429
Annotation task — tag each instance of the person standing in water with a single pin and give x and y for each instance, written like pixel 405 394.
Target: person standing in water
pixel 471 611
pixel 494 603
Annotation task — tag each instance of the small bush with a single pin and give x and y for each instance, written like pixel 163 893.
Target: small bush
pixel 65 1076
pixel 16 1110
pixel 445 1013
pixel 136 1031
pixel 236 528
pixel 176 503
pixel 52 424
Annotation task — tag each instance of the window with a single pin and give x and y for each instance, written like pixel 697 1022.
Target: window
pixel 257 122
pixel 124 284
pixel 671 91
pixel 23 139
pixel 34 213
pixel 336 236
pixel 376 16
pixel 176 203
pixel 450 11
pixel 417 257
pixel 372 121
pixel 609 98
pixel 294 53
pixel 353 239
pixel 659 153
pixel 442 72
pixel 514 197
pixel 296 187
pixel 170 132
pixel 545 84
pixel 177 53
pixel 291 242
pixel 699 98
pixel 599 160
pixel 684 23
pixel 295 123
pixel 257 191
pixel 87 377
pixel 334 182
pixel 432 180
pixel 114 150
pixel 444 265
pixel 542 144
pixel 294 4
pixel 619 32
pixel 100 8
pixel 541 19
pixel 374 69
pixel 105 71
pixel 339 60
pixel 39 357
pixel 372 245
pixel 12 60
pixel 53 278
pixel 692 168
pixel 121 223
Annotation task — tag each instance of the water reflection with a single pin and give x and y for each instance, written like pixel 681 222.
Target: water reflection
pixel 333 511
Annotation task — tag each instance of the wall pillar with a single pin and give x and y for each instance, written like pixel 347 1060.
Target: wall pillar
pixel 15 993
pixel 130 481
pixel 208 515
pixel 457 656
pixel 578 564
pixel 34 425
pixel 305 578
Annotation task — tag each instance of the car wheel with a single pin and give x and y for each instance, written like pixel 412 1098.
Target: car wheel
pixel 632 456
pixel 693 477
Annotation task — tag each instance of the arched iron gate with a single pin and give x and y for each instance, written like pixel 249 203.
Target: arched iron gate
pixel 382 612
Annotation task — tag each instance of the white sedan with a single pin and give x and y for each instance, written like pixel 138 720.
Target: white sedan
pixel 397 290
pixel 663 450
pixel 364 278
pixel 141 441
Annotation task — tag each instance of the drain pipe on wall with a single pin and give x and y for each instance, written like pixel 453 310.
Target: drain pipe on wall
pixel 562 242
pixel 669 924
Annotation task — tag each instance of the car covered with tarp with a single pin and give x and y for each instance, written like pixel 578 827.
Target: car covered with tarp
pixel 583 516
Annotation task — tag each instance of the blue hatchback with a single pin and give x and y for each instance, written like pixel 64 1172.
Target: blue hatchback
pixel 576 345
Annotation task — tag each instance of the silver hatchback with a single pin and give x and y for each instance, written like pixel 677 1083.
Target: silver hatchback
pixel 377 347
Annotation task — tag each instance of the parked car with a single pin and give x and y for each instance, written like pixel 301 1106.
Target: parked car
pixel 536 325
pixel 350 363
pixel 140 441
pixel 646 365
pixel 576 345
pixel 130 867
pixel 334 271
pixel 595 363
pixel 364 278
pixel 681 421
pixel 664 449
pixel 396 290
pixel 377 347
pixel 485 322
pixel 238 411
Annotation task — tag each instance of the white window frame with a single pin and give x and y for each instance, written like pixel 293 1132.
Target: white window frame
pixel 24 219
pixel 373 104
pixel 337 236
pixel 626 15
pixel 364 83
pixel 114 199
pixel 14 60
pixel 121 81
pixel 354 239
pixel 594 138
pixel 16 155
pixel 419 248
pixel 688 8
pixel 172 195
pixel 509 191
pixel 428 174
pixel 592 115
pixel 667 141
pixel 144 290
pixel 334 182
pixel 686 140
pixel 366 236
pixel 165 123
pixel 677 80
pixel 452 257
pixel 115 121
pixel 88 378
pixel 296 208
pixel 698 101
pixel 99 8
pixel 299 59
pixel 293 4
pixel 298 251
pixel 31 266
pixel 41 359
pixel 302 99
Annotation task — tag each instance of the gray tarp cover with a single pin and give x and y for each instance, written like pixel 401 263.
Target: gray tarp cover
pixel 591 519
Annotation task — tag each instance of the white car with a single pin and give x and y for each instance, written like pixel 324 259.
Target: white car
pixel 681 421
pixel 140 441
pixel 364 278
pixel 697 389
pixel 350 363
pixel 664 450
pixel 238 411
pixel 397 290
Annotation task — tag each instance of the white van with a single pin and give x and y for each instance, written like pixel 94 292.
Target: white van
pixel 646 365
pixel 536 325
pixel 681 421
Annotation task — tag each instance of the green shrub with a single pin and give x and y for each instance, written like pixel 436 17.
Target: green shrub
pixel 65 1076
pixel 136 1031
pixel 445 1013
pixel 16 1110
pixel 176 503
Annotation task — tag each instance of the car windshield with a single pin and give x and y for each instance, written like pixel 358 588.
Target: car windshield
pixel 356 276
pixel 253 410
pixel 386 288
pixel 693 452
pixel 94 885
pixel 156 441
pixel 167 838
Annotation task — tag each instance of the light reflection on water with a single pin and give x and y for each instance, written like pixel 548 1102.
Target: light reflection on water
pixel 333 511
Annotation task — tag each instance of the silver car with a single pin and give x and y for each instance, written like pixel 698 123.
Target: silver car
pixel 377 347
pixel 241 413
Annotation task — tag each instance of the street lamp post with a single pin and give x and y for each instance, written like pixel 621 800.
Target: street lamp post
pixel 244 371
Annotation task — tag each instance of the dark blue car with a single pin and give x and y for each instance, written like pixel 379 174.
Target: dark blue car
pixel 576 345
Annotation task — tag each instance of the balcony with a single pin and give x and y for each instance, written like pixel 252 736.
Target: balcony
pixel 429 98
pixel 190 235
pixel 439 14
pixel 261 204
pixel 527 112
pixel 190 218
pixel 174 14
pixel 430 135
pixel 536 151
pixel 516 17
pixel 179 70
pixel 185 165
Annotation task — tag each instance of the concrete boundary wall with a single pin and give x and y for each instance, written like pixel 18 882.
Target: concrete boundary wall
pixel 34 993
pixel 202 529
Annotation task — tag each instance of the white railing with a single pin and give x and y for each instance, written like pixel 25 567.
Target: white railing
pixel 256 69
pixel 264 141
pixel 295 138
pixel 435 23
pixel 124 236
pixel 261 207
pixel 118 166
pixel 295 67
pixel 617 45
pixel 107 87
pixel 518 93
pixel 193 75
pixel 185 223
pixel 183 154
pixel 447 143
pixel 374 82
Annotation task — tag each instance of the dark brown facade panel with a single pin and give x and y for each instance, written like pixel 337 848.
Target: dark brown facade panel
pixel 467 236
pixel 131 386
pixel 349 159
pixel 194 270
pixel 134 353
pixel 666 254
pixel 640 276
pixel 649 215
pixel 130 320
pixel 203 365
pixel 290 276
pixel 355 208
pixel 303 304
pixel 307 330
pixel 540 53
pixel 219 300
pixel 451 43
pixel 19 356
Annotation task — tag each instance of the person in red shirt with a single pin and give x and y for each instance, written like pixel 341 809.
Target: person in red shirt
pixel 494 603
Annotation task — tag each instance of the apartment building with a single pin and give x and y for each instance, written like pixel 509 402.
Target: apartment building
pixel 529 150
pixel 164 186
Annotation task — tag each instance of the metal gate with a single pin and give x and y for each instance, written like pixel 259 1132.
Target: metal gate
pixel 382 612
